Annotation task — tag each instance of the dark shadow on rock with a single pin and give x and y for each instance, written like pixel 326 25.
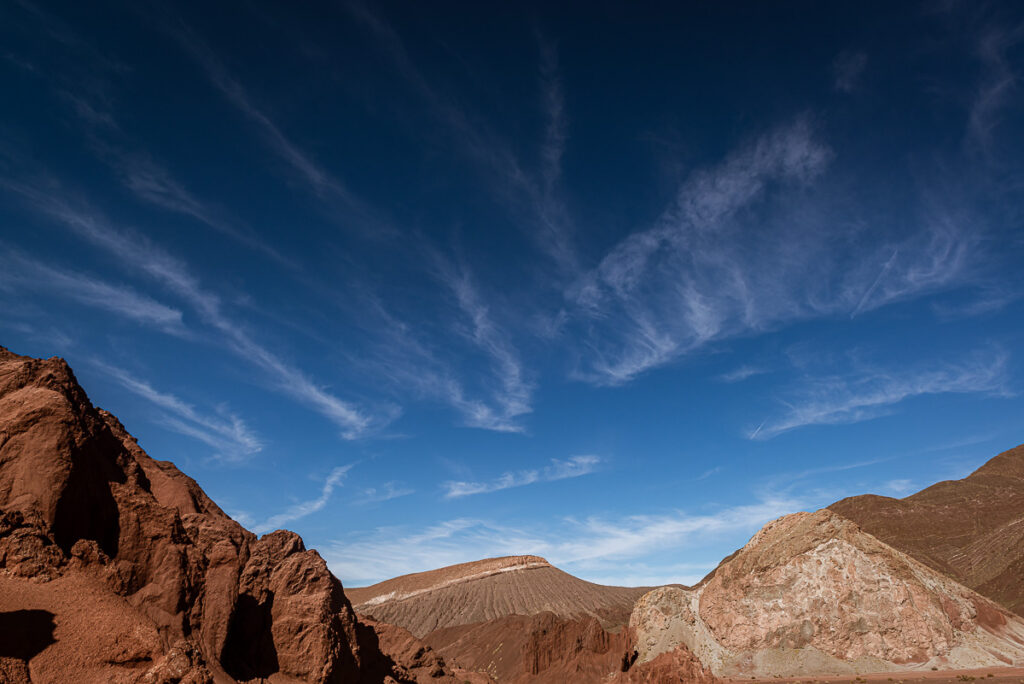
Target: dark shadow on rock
pixel 87 508
pixel 25 633
pixel 249 651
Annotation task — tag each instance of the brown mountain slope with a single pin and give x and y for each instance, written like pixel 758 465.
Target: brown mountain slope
pixel 547 649
pixel 970 529
pixel 115 567
pixel 488 589
pixel 812 593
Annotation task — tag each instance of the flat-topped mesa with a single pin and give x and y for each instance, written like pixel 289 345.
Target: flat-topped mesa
pixel 488 589
pixel 407 586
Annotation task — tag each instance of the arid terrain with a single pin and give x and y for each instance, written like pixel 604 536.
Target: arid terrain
pixel 489 589
pixel 970 529
pixel 116 567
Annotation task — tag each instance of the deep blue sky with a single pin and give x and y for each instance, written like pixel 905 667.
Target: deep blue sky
pixel 610 283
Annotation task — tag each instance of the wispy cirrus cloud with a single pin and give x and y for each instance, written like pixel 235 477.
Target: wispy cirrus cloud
pixel 741 373
pixel 702 273
pixel 513 396
pixel 997 86
pixel 300 510
pixel 871 392
pixel 321 182
pixel 598 547
pixel 226 432
pixel 153 183
pixel 384 492
pixel 25 273
pixel 137 253
pixel 530 194
pixel 574 466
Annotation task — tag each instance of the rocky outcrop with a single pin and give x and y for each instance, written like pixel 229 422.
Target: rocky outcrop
pixel 970 529
pixel 139 575
pixel 812 593
pixel 489 589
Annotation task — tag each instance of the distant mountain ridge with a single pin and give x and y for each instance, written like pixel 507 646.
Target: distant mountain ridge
pixel 970 529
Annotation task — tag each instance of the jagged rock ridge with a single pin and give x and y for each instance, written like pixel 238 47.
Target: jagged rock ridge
pixel 115 567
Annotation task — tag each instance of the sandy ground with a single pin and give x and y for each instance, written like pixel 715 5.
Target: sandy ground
pixel 989 675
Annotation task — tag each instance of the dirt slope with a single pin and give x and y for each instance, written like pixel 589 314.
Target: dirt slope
pixel 488 589
pixel 812 593
pixel 970 529
pixel 115 567
pixel 548 649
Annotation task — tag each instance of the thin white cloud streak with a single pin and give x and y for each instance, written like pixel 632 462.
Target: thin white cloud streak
pixel 742 373
pixel 514 395
pixel 600 546
pixel 871 392
pixel 509 180
pixel 997 86
pixel 404 360
pixel 575 466
pixel 137 253
pixel 301 510
pixel 702 273
pixel 27 273
pixel 139 173
pixel 229 435
pixel 319 180
pixel 154 184
pixel 385 492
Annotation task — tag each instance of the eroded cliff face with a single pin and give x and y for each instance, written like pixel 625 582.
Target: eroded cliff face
pixel 813 593
pixel 127 572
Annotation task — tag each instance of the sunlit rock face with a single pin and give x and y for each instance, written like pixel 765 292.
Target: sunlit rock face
pixel 115 567
pixel 813 593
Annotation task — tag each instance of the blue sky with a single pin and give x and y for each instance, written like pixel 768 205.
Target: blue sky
pixel 609 284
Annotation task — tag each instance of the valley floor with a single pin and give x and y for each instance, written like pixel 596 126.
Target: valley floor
pixel 989 675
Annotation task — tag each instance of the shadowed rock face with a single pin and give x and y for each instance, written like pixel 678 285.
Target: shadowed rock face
pixel 143 576
pixel 970 529
pixel 813 593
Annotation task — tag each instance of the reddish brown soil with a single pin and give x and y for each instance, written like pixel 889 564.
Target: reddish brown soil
pixel 970 529
pixel 990 675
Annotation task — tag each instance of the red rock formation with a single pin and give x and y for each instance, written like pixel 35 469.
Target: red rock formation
pixel 970 529
pixel 129 572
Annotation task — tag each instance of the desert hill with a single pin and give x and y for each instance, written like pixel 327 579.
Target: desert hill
pixel 970 529
pixel 489 589
pixel 115 567
pixel 812 593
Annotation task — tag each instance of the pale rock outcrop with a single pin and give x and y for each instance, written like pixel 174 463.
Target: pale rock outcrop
pixel 813 593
